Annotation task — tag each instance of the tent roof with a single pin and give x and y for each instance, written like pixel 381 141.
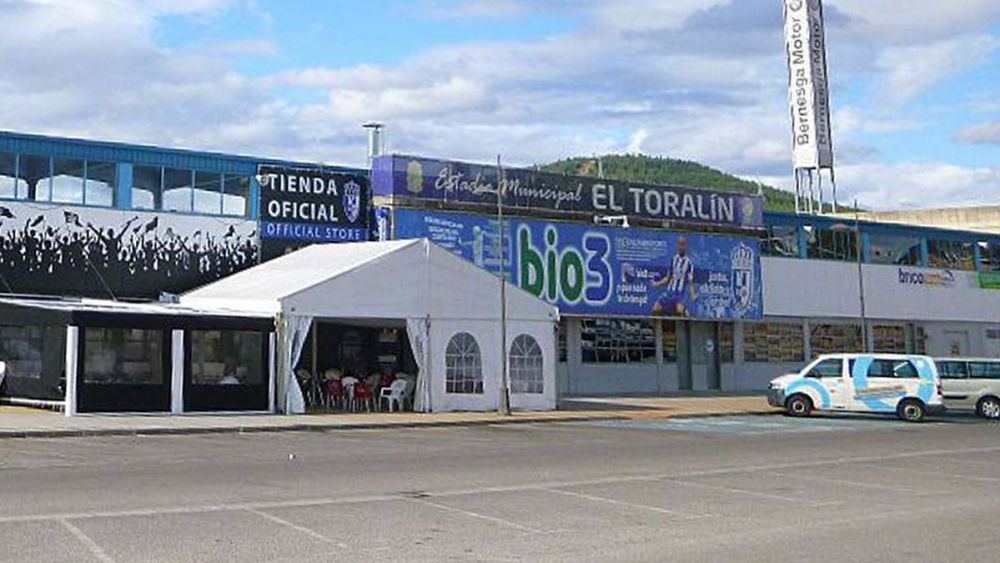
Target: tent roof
pixel 296 271
pixel 73 305
pixel 375 280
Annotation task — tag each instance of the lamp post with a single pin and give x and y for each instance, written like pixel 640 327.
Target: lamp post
pixel 504 406
pixel 856 229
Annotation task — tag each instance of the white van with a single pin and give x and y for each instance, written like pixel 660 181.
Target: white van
pixel 906 385
pixel 971 384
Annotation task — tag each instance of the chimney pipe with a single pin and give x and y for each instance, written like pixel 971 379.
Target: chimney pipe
pixel 375 146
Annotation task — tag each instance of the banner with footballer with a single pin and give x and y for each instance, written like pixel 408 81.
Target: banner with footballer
pixel 598 270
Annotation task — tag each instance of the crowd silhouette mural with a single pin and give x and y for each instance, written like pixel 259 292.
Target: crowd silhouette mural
pixel 106 253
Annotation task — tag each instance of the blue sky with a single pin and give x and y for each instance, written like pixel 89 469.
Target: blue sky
pixel 916 83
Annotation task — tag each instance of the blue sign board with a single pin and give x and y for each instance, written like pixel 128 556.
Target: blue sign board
pixel 414 178
pixel 609 271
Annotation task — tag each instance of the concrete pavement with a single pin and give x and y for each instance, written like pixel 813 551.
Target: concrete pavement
pixel 865 490
pixel 20 422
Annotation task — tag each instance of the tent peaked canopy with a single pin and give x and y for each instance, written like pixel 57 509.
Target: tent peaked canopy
pixel 388 280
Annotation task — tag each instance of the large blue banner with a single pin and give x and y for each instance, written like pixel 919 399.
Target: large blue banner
pixel 610 271
pixel 407 178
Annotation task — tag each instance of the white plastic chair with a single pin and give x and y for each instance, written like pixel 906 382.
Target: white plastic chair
pixel 349 383
pixel 394 393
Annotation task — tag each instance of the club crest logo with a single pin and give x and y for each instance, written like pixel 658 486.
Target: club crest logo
pixel 351 200
pixel 414 177
pixel 743 282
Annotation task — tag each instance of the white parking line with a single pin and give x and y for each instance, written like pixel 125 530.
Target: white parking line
pixel 860 484
pixel 595 498
pixel 95 550
pixel 476 515
pixel 939 474
pixel 311 533
pixel 747 492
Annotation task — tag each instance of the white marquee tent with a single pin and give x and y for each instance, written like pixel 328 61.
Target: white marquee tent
pixel 442 298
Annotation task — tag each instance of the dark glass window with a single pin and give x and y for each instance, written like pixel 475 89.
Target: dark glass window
pixel 834 338
pixel 830 244
pixel 893 249
pixel 101 179
pixel 67 180
pixel 227 357
pixel 147 187
pixel 21 348
pixel 831 368
pixel 951 254
pixel 617 341
pixel 989 256
pixel 177 190
pixel 984 370
pixel 953 370
pixel 781 240
pixel 208 193
pixel 35 175
pixel 123 356
pixel 235 194
pixel 900 369
pixel 773 342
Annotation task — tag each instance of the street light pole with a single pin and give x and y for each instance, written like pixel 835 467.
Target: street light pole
pixel 504 407
pixel 861 279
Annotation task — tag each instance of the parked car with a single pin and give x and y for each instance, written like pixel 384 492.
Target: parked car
pixel 906 385
pixel 971 384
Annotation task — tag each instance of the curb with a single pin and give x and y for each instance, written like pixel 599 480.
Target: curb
pixel 265 429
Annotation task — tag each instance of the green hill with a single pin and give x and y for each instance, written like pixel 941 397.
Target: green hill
pixel 660 170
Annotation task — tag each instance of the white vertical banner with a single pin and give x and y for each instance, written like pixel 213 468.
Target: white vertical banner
pixel 808 88
pixel 72 369
pixel 177 365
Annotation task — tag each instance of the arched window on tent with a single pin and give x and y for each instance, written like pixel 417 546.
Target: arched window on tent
pixel 526 366
pixel 463 365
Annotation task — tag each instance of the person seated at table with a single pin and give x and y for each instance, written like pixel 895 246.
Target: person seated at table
pixel 230 377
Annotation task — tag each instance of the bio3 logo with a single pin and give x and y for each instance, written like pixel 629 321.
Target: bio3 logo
pixel 568 274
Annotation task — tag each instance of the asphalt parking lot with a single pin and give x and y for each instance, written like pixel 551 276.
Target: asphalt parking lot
pixel 761 488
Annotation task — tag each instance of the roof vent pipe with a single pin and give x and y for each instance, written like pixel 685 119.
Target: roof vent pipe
pixel 375 146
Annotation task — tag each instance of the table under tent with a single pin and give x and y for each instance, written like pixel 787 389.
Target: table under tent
pixel 96 356
pixel 410 306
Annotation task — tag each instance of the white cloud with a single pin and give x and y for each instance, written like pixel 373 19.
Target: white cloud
pixel 982 133
pixel 912 68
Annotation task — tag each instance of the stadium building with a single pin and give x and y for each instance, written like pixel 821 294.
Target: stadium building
pixel 659 289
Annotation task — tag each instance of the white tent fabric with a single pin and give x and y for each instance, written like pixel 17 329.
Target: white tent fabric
pixel 415 281
pixel 296 330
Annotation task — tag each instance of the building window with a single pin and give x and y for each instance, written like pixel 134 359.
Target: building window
pixel 827 244
pixel 526 366
pixel 726 343
pixel 67 180
pixel 989 256
pixel 21 348
pixel 123 356
pixel 235 194
pixel 8 176
pixel 34 173
pixel 781 240
pixel 894 249
pixel 562 339
pixel 100 186
pixel 147 187
pixel 208 193
pixel 617 341
pixel 918 343
pixel 889 339
pixel 177 190
pixel 227 357
pixel 951 254
pixel 773 343
pixel 669 330
pixel 463 365
pixel 834 339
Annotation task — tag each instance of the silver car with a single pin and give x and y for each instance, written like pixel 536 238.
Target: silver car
pixel 971 384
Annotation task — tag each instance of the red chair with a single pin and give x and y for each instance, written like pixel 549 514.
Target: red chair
pixel 363 394
pixel 334 392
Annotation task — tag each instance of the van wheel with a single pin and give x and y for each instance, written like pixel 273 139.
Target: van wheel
pixel 798 405
pixel 911 410
pixel 989 408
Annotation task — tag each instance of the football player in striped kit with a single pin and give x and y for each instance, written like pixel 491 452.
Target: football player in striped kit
pixel 679 279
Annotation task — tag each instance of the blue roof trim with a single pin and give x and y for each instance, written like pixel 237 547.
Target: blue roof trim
pixel 148 155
